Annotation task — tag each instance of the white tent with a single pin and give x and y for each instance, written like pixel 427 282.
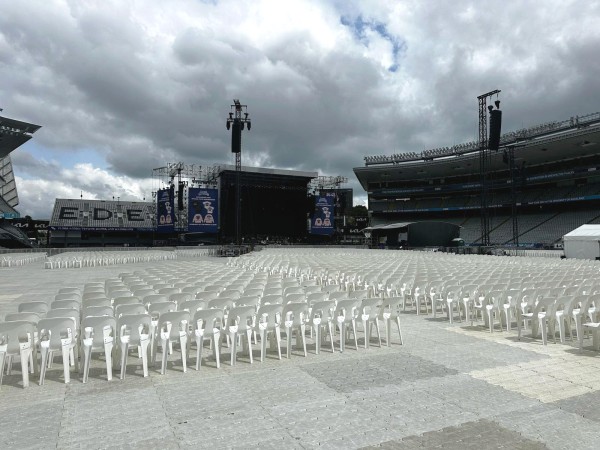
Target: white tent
pixel 583 242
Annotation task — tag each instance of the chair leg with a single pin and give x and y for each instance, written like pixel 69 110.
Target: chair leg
pixel 3 349
pixel 44 363
pixel 303 333
pixel 145 342
pixel 199 343
pixel 124 351
pixel 354 332
pixel 87 353
pixel 249 338
pixel 542 326
pixel 108 348
pixel 66 352
pixel 217 348
pixel 25 354
pixel 367 330
pixel 183 338
pixel 278 340
pixel 399 330
pixel 263 344
pixel 317 338
pixel 233 338
pixel 378 331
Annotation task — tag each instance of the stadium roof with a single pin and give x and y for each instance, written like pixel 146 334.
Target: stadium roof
pixel 13 134
pixel 579 140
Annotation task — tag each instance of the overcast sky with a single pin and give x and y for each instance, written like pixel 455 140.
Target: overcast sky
pixel 124 86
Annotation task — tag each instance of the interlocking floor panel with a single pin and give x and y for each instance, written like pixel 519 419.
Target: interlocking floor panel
pixel 449 386
pixel 470 435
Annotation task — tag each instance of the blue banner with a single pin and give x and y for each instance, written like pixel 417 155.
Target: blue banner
pixel 322 221
pixel 164 210
pixel 203 212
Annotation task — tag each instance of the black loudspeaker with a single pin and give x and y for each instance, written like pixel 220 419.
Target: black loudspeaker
pixel 180 196
pixel 495 127
pixel 236 136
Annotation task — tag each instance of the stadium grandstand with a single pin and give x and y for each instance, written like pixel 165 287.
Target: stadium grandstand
pixel 549 174
pixel 94 223
pixel 13 134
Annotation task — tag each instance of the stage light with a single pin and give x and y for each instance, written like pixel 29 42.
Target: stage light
pixel 228 125
pixel 497 103
pixel 490 108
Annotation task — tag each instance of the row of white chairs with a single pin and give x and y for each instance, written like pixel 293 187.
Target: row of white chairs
pixel 21 259
pixel 108 258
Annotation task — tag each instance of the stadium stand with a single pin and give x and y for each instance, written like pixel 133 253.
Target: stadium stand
pixel 555 184
pixel 82 222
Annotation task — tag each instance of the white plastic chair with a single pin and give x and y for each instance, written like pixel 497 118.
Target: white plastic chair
pixel 207 324
pixel 56 334
pixel 240 322
pixel 369 313
pixel 294 318
pixel 172 327
pixel 17 339
pixel 134 330
pixel 268 324
pixel 321 315
pixel 389 311
pixel 346 312
pixel 98 336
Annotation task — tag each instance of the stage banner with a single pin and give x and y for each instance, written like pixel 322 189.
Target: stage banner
pixel 164 211
pixel 203 210
pixel 322 221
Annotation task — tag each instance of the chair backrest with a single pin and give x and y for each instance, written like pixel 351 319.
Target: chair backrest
pixel 221 303
pixel 120 293
pixel 97 311
pixel 296 297
pixel 370 306
pixel 56 328
pixel 253 292
pixel 296 312
pixel 191 305
pixel 391 306
pixel 178 320
pixel 26 316
pixel 243 316
pixel 97 325
pixel 347 307
pixel 69 290
pixel 38 307
pixel 16 331
pixel 100 301
pixel 207 318
pixel 191 290
pixel 272 299
pixel 87 296
pixel 130 309
pixel 68 296
pixel 125 301
pixel 154 298
pixel 58 304
pixel 64 312
pixel 339 295
pixel 143 292
pixel 131 323
pixel 207 295
pixel 180 297
pixel 269 315
pixel 314 297
pixel 159 308
pixel 323 309
pixel 169 291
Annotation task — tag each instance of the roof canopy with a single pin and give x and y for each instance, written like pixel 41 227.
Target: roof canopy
pixel 584 233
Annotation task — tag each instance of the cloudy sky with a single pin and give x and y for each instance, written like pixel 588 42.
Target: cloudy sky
pixel 124 86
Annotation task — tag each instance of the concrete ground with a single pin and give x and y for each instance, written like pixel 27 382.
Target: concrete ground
pixel 449 386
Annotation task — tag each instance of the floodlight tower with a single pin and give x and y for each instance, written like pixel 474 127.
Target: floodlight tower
pixel 235 118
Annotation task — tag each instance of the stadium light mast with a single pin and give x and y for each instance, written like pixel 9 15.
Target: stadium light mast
pixel 484 145
pixel 236 123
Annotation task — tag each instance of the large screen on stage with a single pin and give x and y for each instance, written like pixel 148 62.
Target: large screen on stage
pixel 203 210
pixel 164 210
pixel 322 221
